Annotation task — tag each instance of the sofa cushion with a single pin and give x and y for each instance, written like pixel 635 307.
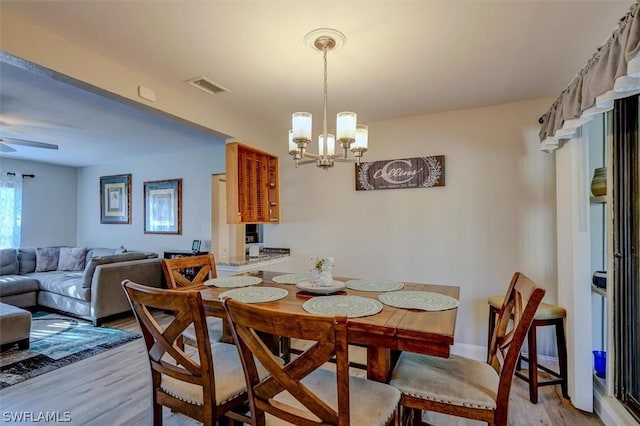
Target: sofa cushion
pixel 89 269
pixel 17 284
pixel 8 262
pixel 66 283
pixel 47 259
pixel 97 252
pixel 71 258
pixel 27 260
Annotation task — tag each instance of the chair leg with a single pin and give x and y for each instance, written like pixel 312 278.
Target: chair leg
pixel 533 365
pixel 157 414
pixel 562 356
pixel 491 327
pixel 416 417
pixel 285 349
pixel 180 343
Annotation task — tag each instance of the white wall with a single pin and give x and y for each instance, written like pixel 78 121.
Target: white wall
pixel 495 216
pixel 49 213
pixel 194 167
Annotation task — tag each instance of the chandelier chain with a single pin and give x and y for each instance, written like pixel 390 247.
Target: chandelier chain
pixel 324 122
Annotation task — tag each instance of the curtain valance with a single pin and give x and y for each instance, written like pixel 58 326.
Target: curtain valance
pixel 613 72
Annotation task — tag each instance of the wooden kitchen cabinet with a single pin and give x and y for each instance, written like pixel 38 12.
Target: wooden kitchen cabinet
pixel 253 190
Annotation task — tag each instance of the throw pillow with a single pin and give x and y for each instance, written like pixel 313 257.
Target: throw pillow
pixel 72 258
pixel 47 259
pixel 27 260
pixel 8 262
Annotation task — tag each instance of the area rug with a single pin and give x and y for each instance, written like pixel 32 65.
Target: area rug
pixel 55 341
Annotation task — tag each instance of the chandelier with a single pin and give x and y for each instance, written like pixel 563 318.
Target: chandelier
pixel 350 135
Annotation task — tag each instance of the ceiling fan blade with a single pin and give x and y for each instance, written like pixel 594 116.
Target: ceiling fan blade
pixel 6 148
pixel 24 142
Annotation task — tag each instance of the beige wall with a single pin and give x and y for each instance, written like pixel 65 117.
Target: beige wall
pixel 495 215
pixel 23 39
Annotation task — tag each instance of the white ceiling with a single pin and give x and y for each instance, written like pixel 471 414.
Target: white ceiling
pixel 401 58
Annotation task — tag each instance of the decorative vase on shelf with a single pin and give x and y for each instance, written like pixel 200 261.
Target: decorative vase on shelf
pixel 599 182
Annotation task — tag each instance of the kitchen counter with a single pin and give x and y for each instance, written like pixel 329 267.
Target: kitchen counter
pixel 266 260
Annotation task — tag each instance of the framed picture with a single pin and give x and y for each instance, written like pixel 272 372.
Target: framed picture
pixel 115 199
pixel 163 207
pixel 195 246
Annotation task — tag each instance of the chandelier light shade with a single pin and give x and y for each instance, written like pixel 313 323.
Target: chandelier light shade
pixel 349 135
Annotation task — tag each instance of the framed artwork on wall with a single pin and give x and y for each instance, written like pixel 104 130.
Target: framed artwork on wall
pixel 163 207
pixel 115 199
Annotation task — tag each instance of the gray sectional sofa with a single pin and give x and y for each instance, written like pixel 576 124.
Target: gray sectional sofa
pixel 91 289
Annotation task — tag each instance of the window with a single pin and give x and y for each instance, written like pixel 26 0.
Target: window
pixel 10 209
pixel 626 192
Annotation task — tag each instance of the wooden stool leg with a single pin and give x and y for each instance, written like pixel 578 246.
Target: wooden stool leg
pixel 533 365
pixel 562 356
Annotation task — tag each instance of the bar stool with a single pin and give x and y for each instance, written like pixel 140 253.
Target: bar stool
pixel 546 315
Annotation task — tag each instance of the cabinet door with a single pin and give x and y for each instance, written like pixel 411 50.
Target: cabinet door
pixel 252 185
pixel 273 191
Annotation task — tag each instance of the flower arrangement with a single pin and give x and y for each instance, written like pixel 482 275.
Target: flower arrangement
pixel 322 263
pixel 323 266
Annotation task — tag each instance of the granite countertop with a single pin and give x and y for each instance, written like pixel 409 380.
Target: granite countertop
pixel 265 255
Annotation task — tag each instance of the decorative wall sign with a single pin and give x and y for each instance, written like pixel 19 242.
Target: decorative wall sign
pixel 115 199
pixel 419 172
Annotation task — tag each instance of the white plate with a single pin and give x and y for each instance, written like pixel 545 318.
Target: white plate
pixel 313 287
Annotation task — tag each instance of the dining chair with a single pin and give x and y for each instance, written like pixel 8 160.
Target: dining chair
pixel 202 268
pixel 547 315
pixel 176 276
pixel 206 383
pixel 303 391
pixel 466 387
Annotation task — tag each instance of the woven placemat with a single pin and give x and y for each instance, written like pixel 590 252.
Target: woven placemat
pixel 424 300
pixel 233 281
pixel 294 278
pixel 255 294
pixel 351 306
pixel 375 285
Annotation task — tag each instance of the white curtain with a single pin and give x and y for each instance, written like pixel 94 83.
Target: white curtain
pixel 10 209
pixel 612 73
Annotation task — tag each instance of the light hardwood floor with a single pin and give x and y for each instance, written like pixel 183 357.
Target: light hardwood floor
pixel 113 388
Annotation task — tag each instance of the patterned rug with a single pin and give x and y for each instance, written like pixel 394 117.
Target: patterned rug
pixel 55 341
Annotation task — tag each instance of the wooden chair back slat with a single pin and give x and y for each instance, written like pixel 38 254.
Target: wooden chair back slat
pixel 174 270
pixel 514 320
pixel 329 337
pixel 168 358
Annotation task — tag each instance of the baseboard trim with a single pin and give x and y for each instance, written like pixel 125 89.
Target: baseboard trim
pixel 480 353
pixel 609 409
pixel 470 351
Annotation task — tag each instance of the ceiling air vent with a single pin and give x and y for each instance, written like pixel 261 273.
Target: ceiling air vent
pixel 209 86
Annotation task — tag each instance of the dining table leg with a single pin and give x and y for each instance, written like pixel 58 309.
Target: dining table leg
pixel 378 363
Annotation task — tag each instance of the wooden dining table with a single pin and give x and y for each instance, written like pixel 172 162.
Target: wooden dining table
pixel 384 334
